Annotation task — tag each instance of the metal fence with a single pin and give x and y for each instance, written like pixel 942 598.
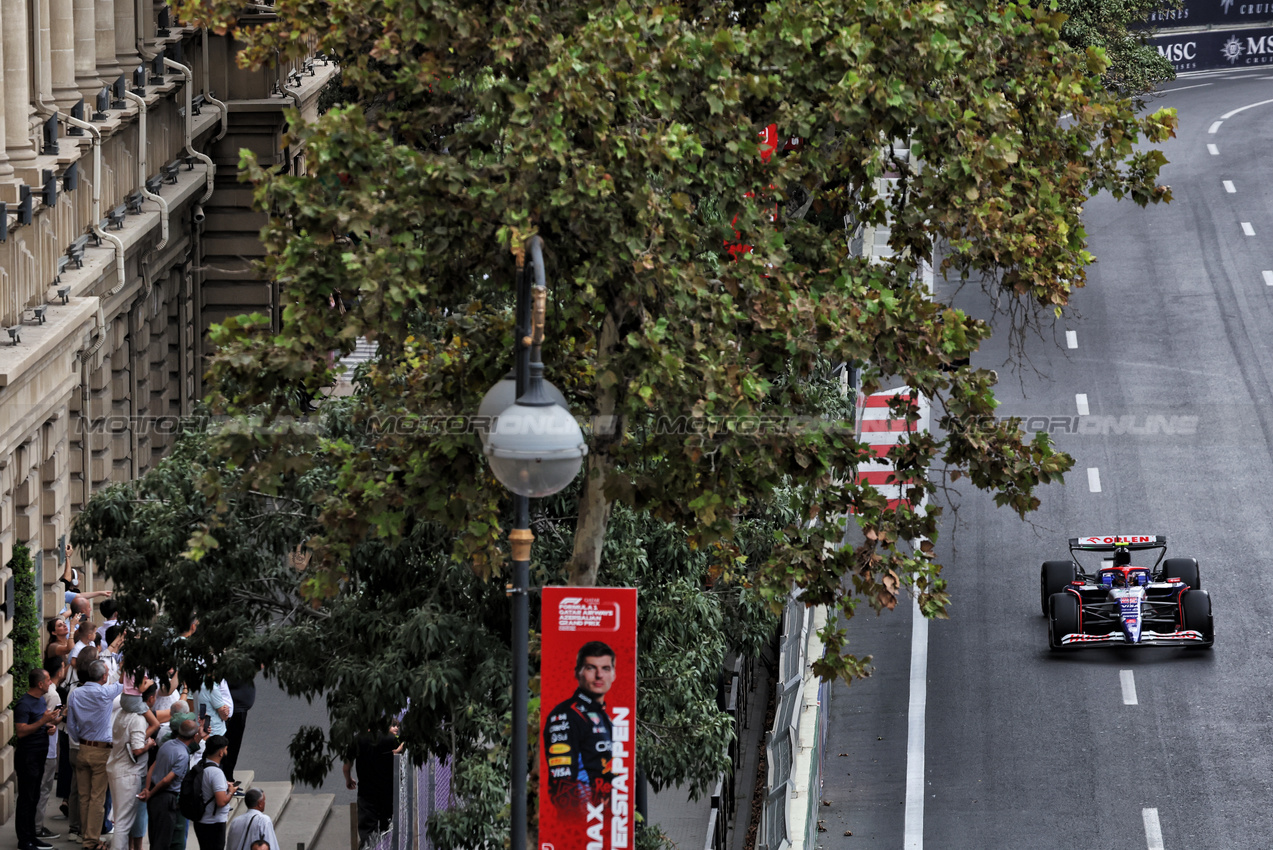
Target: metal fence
pixel 418 793
pixel 783 745
pixel 735 698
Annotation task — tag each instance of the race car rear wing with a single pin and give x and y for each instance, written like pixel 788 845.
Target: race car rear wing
pixel 1110 542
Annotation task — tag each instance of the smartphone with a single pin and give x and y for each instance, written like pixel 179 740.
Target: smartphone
pixel 203 711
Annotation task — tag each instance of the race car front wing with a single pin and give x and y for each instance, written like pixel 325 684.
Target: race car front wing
pixel 1184 637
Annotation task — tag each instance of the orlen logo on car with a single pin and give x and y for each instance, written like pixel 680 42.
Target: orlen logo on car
pixel 1138 538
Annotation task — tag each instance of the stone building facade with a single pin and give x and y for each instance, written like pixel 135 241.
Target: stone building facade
pixel 124 234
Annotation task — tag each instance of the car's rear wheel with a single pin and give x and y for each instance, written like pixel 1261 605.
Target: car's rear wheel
pixel 1063 619
pixel 1053 578
pixel 1185 569
pixel 1196 611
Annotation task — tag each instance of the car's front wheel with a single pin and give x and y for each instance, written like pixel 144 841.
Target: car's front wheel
pixel 1196 614
pixel 1185 569
pixel 1053 578
pixel 1063 618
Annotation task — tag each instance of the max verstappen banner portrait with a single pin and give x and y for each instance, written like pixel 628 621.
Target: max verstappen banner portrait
pixel 587 762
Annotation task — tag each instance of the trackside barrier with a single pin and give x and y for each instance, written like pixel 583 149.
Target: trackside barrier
pixel 789 816
pixel 721 815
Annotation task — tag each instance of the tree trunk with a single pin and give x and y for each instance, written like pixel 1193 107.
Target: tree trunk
pixel 594 507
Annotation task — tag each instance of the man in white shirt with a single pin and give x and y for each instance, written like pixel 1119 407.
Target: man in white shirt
pixel 252 826
pixel 126 767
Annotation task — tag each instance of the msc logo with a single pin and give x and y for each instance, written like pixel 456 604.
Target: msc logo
pixel 1183 51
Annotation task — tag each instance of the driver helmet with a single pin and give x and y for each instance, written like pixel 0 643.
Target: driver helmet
pixel 1120 578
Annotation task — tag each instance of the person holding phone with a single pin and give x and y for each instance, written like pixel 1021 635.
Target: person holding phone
pixel 219 793
pixel 126 767
pixel 34 721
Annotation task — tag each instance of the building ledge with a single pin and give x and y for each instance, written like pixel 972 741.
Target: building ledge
pixel 40 340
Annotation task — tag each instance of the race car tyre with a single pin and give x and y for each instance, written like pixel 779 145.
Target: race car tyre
pixel 1196 605
pixel 1064 618
pixel 1053 578
pixel 1183 568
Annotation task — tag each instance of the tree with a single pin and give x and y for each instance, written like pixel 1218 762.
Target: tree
pixel 411 625
pixel 624 134
pixel 26 619
pixel 1135 67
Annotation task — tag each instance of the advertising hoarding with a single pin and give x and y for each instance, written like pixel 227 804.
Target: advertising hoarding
pixel 1220 13
pixel 1201 51
pixel 587 761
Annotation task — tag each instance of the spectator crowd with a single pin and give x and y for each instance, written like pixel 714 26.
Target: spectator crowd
pixel 117 750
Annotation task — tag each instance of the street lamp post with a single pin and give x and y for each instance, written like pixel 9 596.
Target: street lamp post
pixel 535 448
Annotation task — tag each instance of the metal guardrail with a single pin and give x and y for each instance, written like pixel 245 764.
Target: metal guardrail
pixel 783 742
pixel 721 815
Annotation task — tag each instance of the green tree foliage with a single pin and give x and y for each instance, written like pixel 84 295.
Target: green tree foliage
pixel 410 626
pixel 26 620
pixel 610 129
pixel 1134 66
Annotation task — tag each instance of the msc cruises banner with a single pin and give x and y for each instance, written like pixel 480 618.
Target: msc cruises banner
pixel 587 762
pixel 1200 51
pixel 1196 13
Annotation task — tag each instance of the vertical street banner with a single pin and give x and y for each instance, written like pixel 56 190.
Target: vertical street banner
pixel 587 761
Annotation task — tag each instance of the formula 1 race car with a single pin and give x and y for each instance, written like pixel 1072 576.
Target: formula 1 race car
pixel 1121 603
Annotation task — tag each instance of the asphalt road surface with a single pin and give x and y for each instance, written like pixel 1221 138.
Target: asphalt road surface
pixel 1164 372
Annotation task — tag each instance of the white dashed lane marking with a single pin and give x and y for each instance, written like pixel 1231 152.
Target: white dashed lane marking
pixel 1072 339
pixel 1081 401
pixel 1153 831
pixel 1268 277
pixel 1228 187
pixel 1093 479
pixel 1215 128
pixel 1247 228
pixel 1128 681
pixel 1213 150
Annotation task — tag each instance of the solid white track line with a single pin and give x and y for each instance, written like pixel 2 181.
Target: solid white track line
pixel 913 833
pixel 1233 112
pixel 1128 681
pixel 1081 401
pixel 1093 479
pixel 1153 831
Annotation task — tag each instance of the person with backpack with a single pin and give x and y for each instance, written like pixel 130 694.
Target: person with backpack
pixel 164 784
pixel 214 795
